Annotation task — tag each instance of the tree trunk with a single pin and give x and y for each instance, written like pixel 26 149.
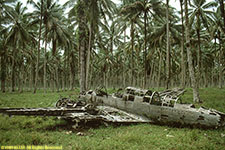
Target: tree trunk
pixel 52 82
pixel 38 50
pixel 196 97
pixel 45 61
pixel 88 55
pixel 222 13
pixel 71 75
pixel 82 24
pixel 71 80
pixel 57 79
pixel 183 66
pixel 151 73
pixel 160 66
pixel 21 77
pixel 13 73
pixel 167 46
pixel 67 74
pixel 123 64
pixel 199 53
pixel 132 52
pixel 3 72
pixel 220 61
pixel 64 74
pixel 206 77
pixel 145 48
pixel 104 78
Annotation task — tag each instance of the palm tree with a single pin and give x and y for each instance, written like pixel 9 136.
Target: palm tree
pixel 60 38
pixel 189 55
pixel 89 18
pixel 98 9
pixel 38 17
pixel 3 62
pixel 18 35
pixel 217 33
pixel 131 15
pixel 5 8
pixel 158 40
pixel 183 66
pixel 148 9
pixel 82 31
pixel 201 13
pixel 222 13
pixel 51 16
pixel 167 45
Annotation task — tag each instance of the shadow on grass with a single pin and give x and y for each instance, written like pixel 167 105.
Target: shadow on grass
pixel 84 126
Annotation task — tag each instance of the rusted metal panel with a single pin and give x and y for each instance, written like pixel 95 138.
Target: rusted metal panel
pixel 133 106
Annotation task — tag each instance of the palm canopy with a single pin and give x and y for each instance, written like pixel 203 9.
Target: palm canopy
pixel 18 29
pixel 59 34
pixel 4 6
pixel 137 8
pixel 217 24
pixel 201 12
pixel 97 12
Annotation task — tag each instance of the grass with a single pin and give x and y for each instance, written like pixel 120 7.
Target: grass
pixel 20 130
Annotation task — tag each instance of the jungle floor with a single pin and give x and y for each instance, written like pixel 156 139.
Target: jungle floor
pixel 21 130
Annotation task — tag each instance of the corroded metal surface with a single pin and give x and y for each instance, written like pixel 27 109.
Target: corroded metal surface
pixel 161 108
pixel 131 106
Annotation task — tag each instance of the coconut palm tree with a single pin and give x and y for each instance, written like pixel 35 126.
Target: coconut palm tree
pixel 189 55
pixel 89 17
pixel 217 33
pixel 51 16
pixel 222 13
pixel 18 35
pixel 3 61
pixel 37 18
pixel 183 66
pixel 167 45
pixel 148 9
pixel 83 39
pixel 200 14
pixel 5 7
pixel 5 17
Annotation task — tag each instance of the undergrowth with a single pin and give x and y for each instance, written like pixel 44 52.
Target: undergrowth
pixel 21 130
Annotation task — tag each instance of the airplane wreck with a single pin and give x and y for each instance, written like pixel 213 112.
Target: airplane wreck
pixel 133 105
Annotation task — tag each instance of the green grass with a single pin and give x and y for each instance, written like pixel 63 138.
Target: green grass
pixel 20 130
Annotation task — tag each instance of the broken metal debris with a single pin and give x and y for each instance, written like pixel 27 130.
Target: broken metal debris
pixel 159 107
pixel 131 106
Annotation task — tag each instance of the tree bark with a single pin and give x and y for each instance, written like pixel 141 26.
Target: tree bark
pixel 13 73
pixel 38 50
pixel 196 97
pixel 145 48
pixel 82 24
pixel 160 66
pixel 71 77
pixel 57 79
pixel 88 55
pixel 21 77
pixel 3 72
pixel 132 52
pixel 123 64
pixel 222 13
pixel 199 52
pixel 45 61
pixel 220 61
pixel 167 46
pixel 183 66
pixel 63 73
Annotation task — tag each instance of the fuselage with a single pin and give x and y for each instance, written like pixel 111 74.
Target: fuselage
pixel 179 114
